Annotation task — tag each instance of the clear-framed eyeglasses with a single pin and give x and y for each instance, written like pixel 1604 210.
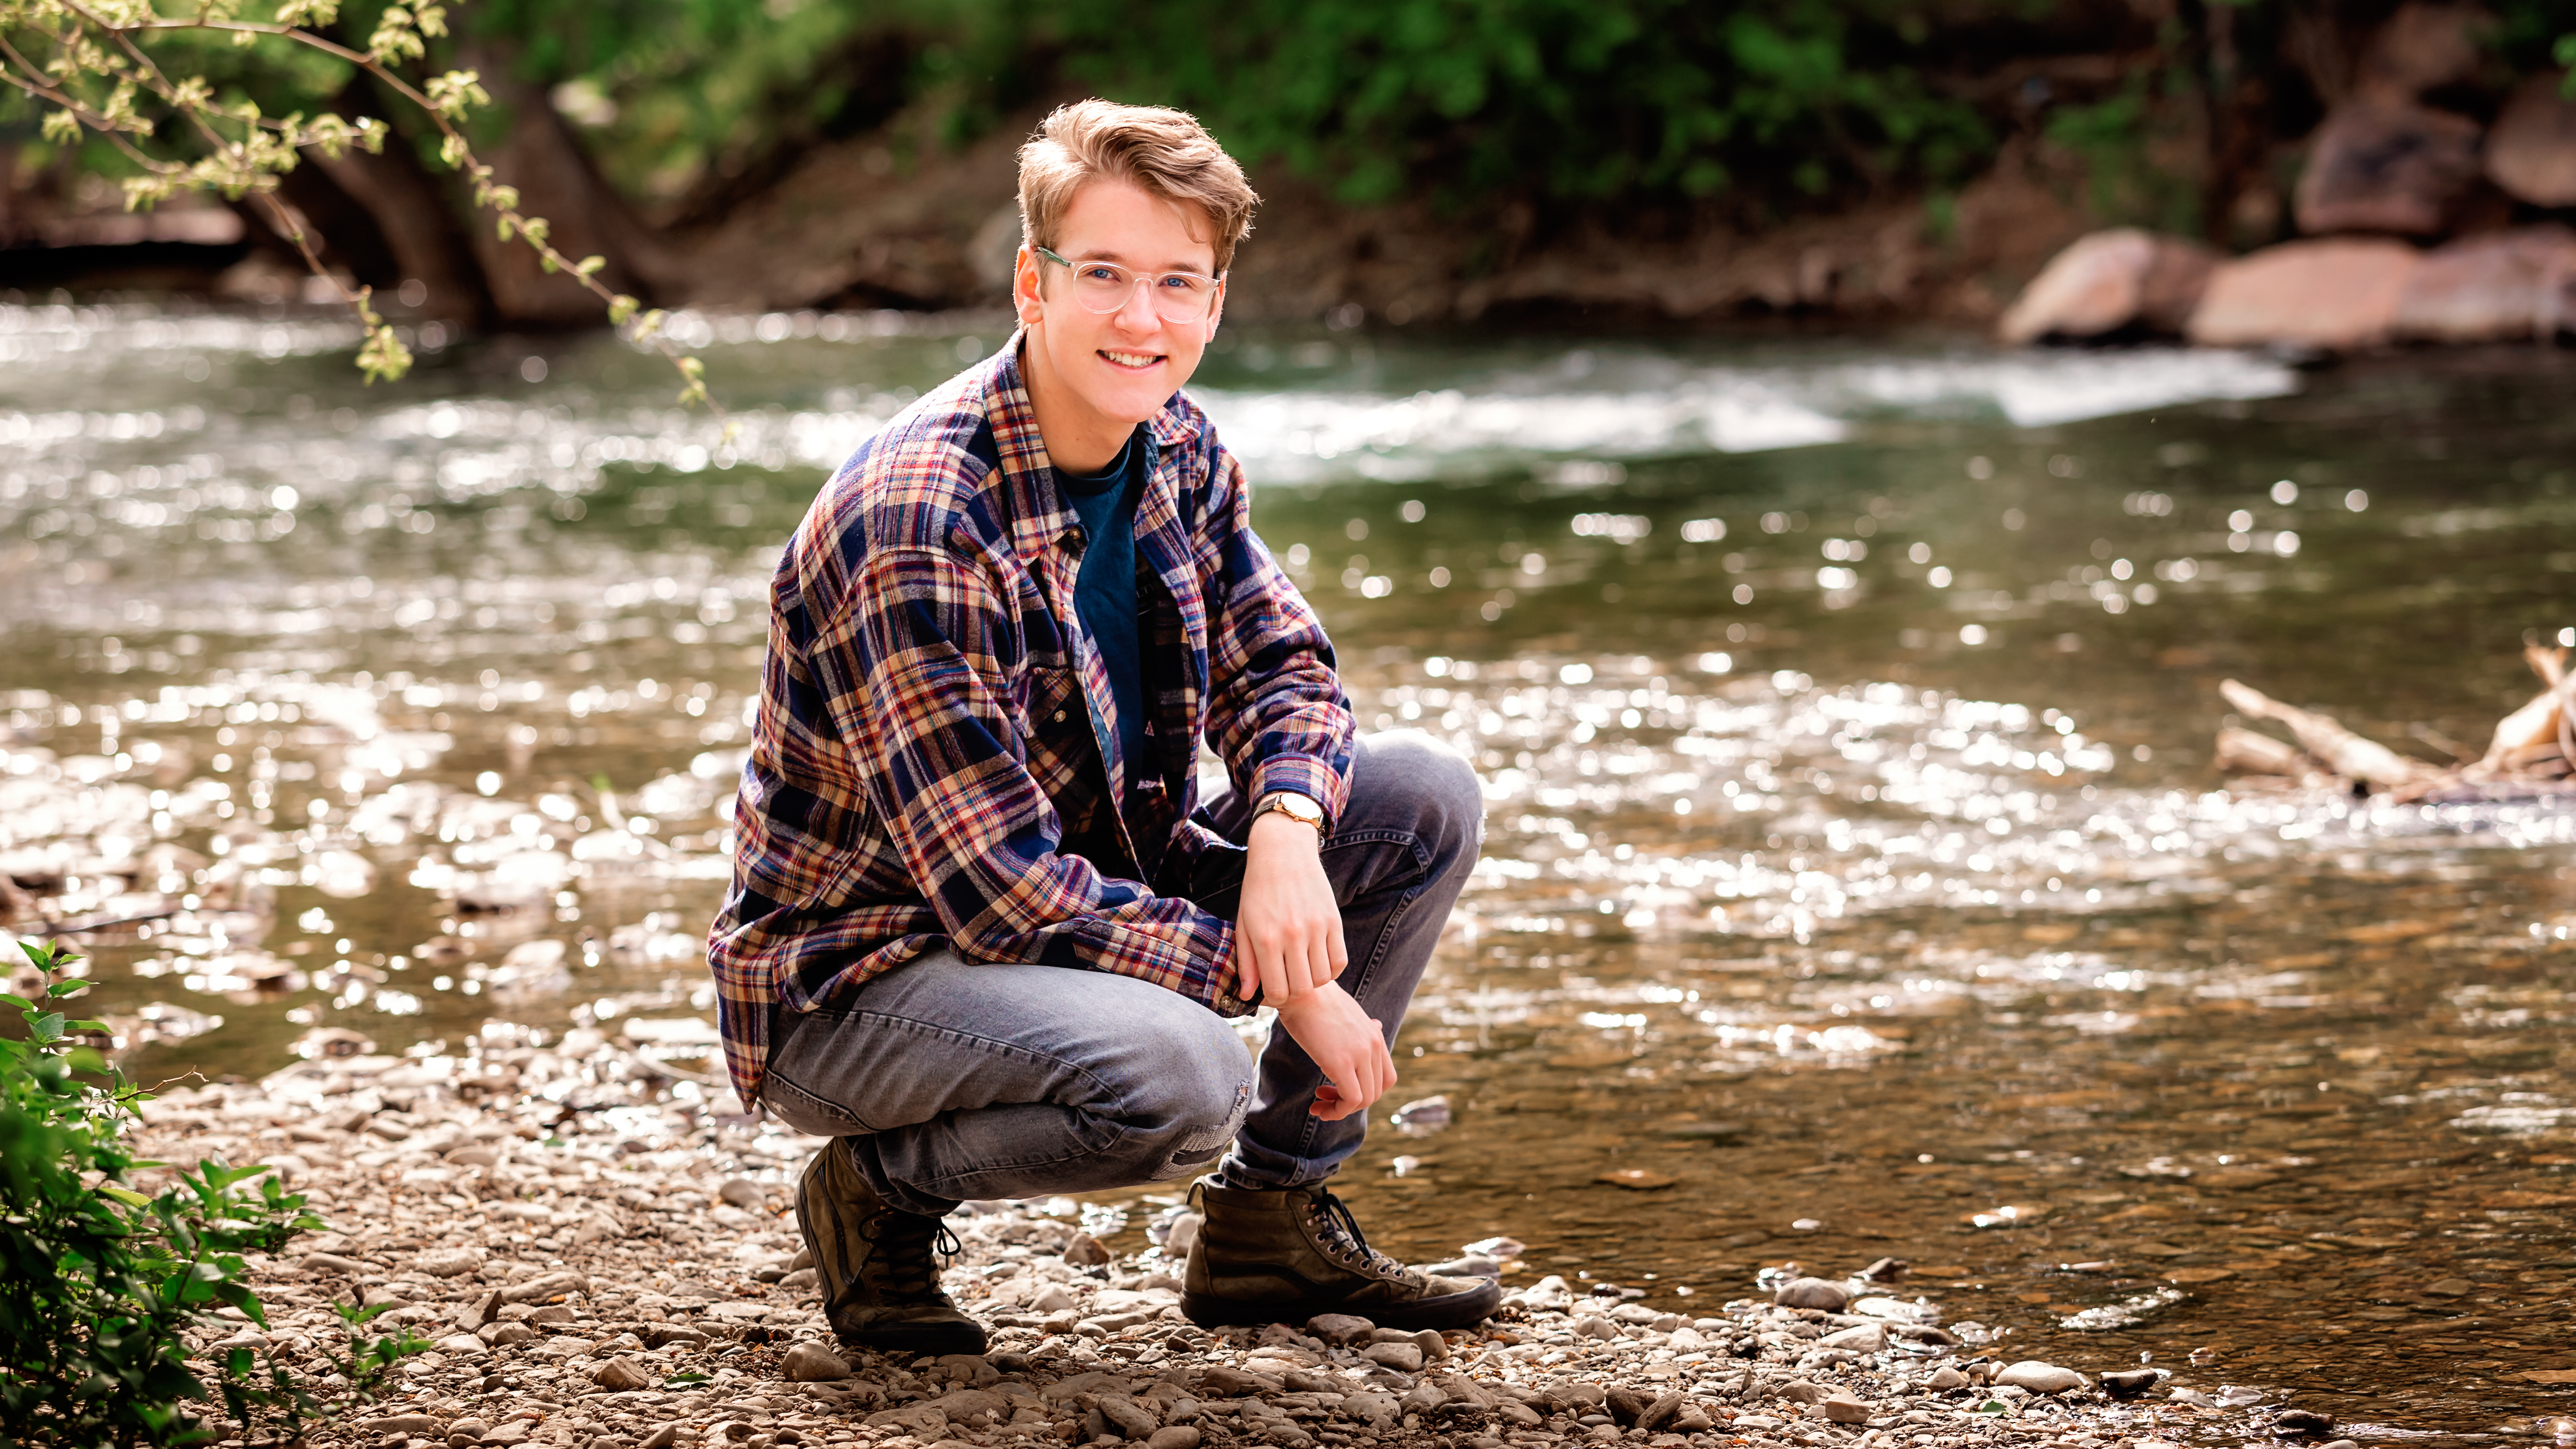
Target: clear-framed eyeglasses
pixel 1104 287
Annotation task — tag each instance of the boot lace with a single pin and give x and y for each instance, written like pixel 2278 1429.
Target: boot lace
pixel 1340 1232
pixel 905 1251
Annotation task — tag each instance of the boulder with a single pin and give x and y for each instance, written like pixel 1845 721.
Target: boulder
pixel 2506 286
pixel 2423 48
pixel 2531 153
pixel 2337 295
pixel 2109 281
pixel 2386 166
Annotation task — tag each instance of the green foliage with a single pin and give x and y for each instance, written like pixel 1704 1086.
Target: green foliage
pixel 99 1284
pixel 149 89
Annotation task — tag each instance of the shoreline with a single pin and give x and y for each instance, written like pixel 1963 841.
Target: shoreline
pixel 572 1231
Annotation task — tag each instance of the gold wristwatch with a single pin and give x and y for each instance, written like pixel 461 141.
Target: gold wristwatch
pixel 1293 805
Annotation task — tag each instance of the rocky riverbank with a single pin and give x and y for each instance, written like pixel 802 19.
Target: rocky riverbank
pixel 605 1256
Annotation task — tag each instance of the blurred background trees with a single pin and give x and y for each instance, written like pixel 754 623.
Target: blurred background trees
pixel 645 128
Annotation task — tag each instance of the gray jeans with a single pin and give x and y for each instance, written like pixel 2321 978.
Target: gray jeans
pixel 951 1079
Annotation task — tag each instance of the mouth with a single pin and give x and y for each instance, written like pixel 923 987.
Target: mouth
pixel 1131 361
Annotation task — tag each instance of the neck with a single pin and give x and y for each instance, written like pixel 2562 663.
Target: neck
pixel 1077 436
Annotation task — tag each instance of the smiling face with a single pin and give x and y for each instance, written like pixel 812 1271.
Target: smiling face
pixel 1094 376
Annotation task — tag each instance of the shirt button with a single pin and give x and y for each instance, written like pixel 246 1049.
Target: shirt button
pixel 1059 716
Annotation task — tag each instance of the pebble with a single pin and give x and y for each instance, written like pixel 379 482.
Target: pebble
pixel 2040 1378
pixel 1813 1293
pixel 1404 1358
pixel 812 1363
pixel 642 1287
pixel 2129 1383
pixel 1339 1328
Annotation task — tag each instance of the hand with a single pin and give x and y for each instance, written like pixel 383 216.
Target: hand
pixel 1346 1044
pixel 1287 927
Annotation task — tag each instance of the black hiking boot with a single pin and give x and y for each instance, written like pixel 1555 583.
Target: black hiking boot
pixel 877 1264
pixel 1285 1256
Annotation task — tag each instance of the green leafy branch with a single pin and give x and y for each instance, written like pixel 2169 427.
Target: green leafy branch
pixel 102 1287
pixel 96 73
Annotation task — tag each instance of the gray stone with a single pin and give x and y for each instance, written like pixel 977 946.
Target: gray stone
pixel 622 1374
pixel 502 1335
pixel 812 1363
pixel 1435 1349
pixel 1812 1293
pixel 662 1438
pixel 2039 1378
pixel 449 1262
pixel 1595 1326
pixel 2531 152
pixel 2380 165
pixel 1841 1408
pixel 1945 1378
pixel 1339 1329
pixel 1863 1338
pixel 1402 1357
pixel 545 1286
pixel 1174 1436
pixel 1086 1251
pixel 744 1193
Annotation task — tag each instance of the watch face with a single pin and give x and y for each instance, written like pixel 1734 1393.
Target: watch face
pixel 1298 807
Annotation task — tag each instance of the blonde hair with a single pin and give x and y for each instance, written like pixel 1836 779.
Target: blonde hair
pixel 1165 152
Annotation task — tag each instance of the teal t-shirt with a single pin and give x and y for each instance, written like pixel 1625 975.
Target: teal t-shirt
pixel 1104 591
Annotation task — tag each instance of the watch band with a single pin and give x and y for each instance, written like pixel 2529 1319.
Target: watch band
pixel 1302 810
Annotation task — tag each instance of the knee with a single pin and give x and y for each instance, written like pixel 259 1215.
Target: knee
pixel 1193 1076
pixel 1440 783
pixel 1185 1109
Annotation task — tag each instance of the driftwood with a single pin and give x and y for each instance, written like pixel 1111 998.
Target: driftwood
pixel 2533 751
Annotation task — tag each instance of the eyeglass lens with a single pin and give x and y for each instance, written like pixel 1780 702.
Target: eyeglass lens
pixel 1177 296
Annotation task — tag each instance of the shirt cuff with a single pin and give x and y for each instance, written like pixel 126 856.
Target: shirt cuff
pixel 1305 775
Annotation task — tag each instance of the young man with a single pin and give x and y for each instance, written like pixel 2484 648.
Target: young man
pixel 982 932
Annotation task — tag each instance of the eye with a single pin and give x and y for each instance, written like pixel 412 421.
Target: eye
pixel 1183 282
pixel 1102 272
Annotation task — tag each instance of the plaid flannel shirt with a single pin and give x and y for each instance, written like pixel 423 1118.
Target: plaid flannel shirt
pixel 935 726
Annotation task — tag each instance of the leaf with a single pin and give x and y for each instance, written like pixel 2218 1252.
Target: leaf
pixel 65 988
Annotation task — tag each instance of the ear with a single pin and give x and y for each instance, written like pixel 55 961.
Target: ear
pixel 1216 309
pixel 1026 298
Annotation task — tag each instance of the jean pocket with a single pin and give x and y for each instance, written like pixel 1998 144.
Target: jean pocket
pixel 808 1113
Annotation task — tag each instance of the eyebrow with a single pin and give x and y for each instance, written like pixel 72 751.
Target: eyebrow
pixel 1120 260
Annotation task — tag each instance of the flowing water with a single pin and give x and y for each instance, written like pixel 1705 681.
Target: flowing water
pixel 1857 884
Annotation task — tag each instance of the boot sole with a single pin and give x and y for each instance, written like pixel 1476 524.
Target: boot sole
pixel 929 1340
pixel 1450 1310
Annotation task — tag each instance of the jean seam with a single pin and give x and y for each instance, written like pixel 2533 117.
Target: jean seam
pixel 992 1045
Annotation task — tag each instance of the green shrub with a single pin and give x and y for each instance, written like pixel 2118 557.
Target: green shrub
pixel 99 1284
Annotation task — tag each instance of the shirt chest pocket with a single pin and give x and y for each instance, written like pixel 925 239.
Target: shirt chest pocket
pixel 1046 701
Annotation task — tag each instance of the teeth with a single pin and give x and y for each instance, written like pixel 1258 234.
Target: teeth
pixel 1130 359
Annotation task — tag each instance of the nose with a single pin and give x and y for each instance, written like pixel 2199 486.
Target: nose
pixel 1137 313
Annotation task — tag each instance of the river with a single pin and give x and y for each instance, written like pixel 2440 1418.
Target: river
pixel 1855 867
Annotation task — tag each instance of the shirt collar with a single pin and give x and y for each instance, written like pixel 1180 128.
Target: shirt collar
pixel 1038 512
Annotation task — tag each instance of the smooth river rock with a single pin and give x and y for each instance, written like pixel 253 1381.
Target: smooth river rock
pixel 2039 1378
pixel 2109 281
pixel 1812 1293
pixel 2510 286
pixel 2337 295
